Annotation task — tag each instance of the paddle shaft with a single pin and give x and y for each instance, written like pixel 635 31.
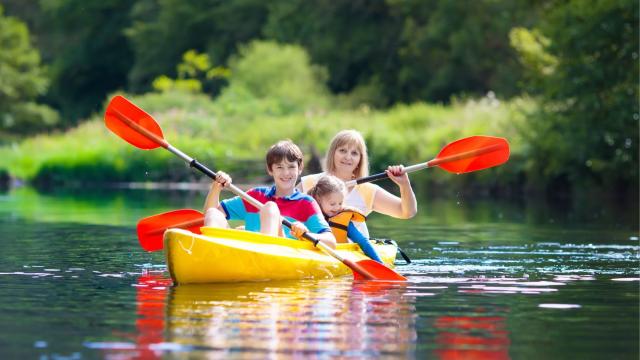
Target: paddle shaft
pixel 428 164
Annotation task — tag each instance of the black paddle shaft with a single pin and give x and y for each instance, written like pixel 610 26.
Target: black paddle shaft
pixel 372 178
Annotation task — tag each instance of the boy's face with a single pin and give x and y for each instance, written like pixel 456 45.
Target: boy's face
pixel 285 174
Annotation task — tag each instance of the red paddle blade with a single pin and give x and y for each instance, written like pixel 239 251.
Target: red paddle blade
pixel 472 153
pixel 133 124
pixel 378 272
pixel 151 229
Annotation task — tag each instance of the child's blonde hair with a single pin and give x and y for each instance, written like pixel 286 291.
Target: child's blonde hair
pixel 353 138
pixel 327 184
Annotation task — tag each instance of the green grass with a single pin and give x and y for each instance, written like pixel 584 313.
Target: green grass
pixel 234 133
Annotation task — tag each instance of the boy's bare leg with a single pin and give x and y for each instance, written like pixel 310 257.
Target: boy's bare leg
pixel 215 218
pixel 270 219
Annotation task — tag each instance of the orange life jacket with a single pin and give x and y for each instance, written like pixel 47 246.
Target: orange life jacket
pixel 340 222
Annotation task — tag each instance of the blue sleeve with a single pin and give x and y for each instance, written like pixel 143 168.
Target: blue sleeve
pixel 234 208
pixel 357 237
pixel 317 224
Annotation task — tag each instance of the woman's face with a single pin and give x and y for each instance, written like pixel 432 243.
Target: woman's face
pixel 346 159
pixel 331 204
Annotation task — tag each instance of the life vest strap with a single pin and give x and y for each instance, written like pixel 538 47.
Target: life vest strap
pixel 338 225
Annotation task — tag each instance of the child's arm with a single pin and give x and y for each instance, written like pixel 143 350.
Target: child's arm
pixel 298 229
pixel 365 245
pixel 213 197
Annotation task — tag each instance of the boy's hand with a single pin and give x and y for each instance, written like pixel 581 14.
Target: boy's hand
pixel 222 180
pixel 398 175
pixel 298 229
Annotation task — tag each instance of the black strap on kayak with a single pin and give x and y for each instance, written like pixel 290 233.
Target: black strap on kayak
pixel 402 253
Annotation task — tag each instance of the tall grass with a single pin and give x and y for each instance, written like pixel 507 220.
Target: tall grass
pixel 225 135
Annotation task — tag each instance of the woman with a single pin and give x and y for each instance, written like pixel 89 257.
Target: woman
pixel 347 159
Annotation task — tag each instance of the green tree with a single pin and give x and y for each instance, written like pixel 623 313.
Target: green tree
pixel 195 74
pixel 457 47
pixel 22 81
pixel 279 79
pixel 89 54
pixel 355 40
pixel 163 30
pixel 587 132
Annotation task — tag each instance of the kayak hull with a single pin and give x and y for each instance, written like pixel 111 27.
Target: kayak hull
pixel 228 255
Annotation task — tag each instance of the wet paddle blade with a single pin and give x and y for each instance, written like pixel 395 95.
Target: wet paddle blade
pixel 378 271
pixel 151 229
pixel 472 154
pixel 132 124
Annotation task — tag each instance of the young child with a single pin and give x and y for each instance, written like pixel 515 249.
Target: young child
pixel 330 192
pixel 284 164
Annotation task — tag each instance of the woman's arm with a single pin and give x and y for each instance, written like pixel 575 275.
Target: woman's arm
pixel 403 207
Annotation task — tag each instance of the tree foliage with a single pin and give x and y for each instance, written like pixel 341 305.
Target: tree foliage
pixel 587 74
pixel 577 59
pixel 22 80
pixel 88 52
pixel 195 74
pixel 278 79
pixel 163 30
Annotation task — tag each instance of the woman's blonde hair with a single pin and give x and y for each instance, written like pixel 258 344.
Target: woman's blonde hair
pixel 353 138
pixel 327 184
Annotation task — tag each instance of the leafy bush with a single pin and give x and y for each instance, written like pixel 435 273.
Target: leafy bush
pixel 405 134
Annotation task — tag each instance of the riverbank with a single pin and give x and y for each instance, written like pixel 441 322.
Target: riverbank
pixel 224 136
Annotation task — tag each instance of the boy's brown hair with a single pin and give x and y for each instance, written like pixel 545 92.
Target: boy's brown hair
pixel 284 149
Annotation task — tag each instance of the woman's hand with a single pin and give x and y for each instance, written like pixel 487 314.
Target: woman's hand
pixel 298 229
pixel 398 175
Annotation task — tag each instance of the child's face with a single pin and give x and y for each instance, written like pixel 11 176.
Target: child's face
pixel 285 174
pixel 331 204
pixel 347 158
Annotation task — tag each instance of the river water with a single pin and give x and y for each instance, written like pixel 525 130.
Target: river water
pixel 489 280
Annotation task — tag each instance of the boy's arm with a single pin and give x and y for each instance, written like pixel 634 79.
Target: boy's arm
pixel 213 197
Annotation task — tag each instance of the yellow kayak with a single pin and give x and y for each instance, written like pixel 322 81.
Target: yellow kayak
pixel 228 255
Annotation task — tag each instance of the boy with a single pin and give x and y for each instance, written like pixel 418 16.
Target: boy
pixel 284 164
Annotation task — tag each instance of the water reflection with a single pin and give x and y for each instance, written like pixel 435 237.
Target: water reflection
pixel 310 318
pixel 472 337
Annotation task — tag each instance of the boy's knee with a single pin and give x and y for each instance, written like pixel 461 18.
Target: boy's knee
pixel 270 209
pixel 270 219
pixel 215 218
